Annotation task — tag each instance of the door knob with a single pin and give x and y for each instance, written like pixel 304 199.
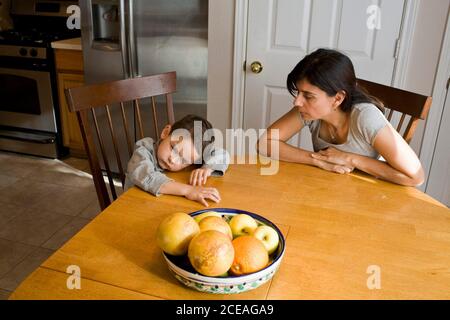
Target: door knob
pixel 256 67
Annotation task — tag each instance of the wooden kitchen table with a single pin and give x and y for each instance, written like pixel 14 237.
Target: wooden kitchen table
pixel 338 229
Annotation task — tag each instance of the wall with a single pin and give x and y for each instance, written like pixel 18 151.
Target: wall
pixel 420 72
pixel 425 52
pixel 220 63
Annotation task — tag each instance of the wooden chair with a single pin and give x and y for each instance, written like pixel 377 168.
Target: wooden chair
pixel 407 103
pixel 87 101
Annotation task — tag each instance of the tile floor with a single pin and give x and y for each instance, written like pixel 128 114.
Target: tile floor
pixel 43 203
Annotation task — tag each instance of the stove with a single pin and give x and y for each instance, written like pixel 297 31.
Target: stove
pixel 29 110
pixel 32 37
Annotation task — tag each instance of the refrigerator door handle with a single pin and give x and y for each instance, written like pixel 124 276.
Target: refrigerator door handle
pixel 134 66
pixel 123 39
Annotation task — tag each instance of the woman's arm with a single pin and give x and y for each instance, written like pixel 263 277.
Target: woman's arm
pixel 402 166
pixel 287 126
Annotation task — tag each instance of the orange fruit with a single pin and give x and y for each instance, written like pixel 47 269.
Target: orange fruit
pixel 211 253
pixel 250 255
pixel 215 223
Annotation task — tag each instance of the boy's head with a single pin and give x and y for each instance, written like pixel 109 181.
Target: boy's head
pixel 177 149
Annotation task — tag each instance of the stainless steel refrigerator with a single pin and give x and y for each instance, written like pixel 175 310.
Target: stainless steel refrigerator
pixel 131 38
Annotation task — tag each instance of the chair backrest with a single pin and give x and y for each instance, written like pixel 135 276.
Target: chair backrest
pixel 411 104
pixel 87 101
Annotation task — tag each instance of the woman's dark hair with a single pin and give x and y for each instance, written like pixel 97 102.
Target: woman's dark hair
pixel 331 71
pixel 188 123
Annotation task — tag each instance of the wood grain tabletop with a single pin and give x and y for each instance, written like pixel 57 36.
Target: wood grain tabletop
pixel 337 229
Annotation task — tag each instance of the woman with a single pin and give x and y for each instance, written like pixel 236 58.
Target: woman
pixel 348 129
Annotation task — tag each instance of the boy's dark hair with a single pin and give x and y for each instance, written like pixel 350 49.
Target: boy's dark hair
pixel 188 123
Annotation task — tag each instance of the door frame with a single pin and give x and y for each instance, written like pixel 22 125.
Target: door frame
pixel 436 111
pixel 240 50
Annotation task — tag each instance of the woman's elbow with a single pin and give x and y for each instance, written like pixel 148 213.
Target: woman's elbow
pixel 420 179
pixel 262 146
pixel 417 179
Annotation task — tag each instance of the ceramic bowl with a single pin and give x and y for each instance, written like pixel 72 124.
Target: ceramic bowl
pixel 186 274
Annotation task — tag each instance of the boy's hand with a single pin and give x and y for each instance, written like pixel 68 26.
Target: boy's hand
pixel 200 194
pixel 199 176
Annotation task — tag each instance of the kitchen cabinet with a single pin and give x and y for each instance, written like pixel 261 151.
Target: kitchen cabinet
pixel 69 68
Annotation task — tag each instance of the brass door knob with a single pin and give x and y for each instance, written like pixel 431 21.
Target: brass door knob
pixel 256 67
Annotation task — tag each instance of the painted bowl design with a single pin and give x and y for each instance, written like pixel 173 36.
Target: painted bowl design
pixel 186 274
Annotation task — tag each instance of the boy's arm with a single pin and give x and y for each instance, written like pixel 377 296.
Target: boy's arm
pixel 199 194
pixel 141 171
pixel 175 188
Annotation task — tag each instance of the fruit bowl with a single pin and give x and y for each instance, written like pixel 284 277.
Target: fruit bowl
pixel 186 274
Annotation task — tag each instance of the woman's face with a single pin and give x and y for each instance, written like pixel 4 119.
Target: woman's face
pixel 313 103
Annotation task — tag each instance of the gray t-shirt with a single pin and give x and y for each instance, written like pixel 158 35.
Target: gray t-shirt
pixel 366 120
pixel 144 171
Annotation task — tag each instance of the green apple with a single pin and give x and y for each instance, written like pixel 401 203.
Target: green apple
pixel 242 224
pixel 268 236
pixel 207 214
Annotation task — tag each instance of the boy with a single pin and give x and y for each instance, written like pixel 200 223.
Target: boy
pixel 174 152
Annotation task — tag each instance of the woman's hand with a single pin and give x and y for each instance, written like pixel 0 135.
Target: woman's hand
pixel 199 176
pixel 333 160
pixel 200 194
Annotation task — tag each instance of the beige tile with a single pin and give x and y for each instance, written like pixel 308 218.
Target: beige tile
pixel 9 211
pixel 12 253
pixel 27 193
pixel 4 294
pixel 20 165
pixel 6 181
pixel 65 233
pixel 67 200
pixel 12 279
pixel 33 227
pixel 60 173
pixel 91 211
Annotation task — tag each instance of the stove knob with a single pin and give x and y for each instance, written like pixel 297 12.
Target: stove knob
pixel 33 52
pixel 23 52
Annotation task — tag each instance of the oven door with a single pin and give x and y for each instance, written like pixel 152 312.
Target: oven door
pixel 26 99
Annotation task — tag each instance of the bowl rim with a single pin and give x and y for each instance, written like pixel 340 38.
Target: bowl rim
pixel 235 279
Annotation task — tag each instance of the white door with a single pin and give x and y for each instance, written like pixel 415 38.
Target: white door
pixel 281 32
pixel 439 179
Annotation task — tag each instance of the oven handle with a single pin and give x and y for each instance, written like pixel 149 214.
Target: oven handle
pixel 40 140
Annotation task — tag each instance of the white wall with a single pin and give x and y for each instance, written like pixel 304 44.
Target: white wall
pixel 424 56
pixel 420 72
pixel 220 62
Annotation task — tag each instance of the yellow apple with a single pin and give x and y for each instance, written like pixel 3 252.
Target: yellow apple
pixel 268 236
pixel 242 224
pixel 207 214
pixel 215 223
pixel 175 233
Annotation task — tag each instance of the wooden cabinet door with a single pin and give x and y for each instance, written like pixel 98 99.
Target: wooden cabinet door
pixel 71 130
